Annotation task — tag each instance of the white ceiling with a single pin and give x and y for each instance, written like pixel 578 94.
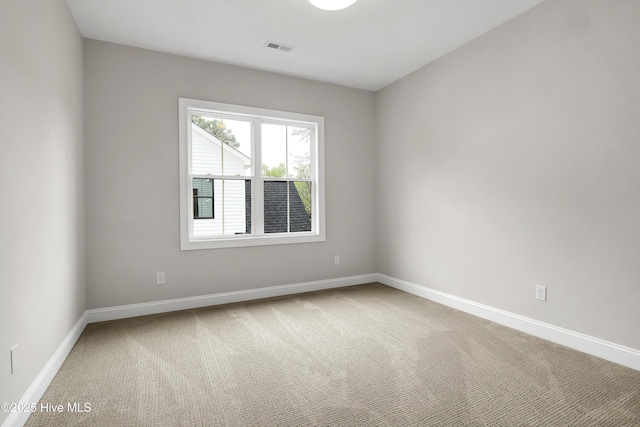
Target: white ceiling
pixel 367 46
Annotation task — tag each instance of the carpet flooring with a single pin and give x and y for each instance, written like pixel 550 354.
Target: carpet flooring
pixel 365 355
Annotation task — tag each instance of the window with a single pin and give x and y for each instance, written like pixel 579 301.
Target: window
pixel 202 198
pixel 249 176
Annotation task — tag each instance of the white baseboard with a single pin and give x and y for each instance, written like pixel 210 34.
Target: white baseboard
pixel 143 309
pixel 606 350
pixel 594 346
pixel 44 378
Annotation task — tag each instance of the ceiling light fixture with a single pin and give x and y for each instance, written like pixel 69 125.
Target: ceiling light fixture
pixel 332 4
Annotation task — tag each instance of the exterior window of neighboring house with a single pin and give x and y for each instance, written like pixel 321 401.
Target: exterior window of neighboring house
pixel 202 198
pixel 249 176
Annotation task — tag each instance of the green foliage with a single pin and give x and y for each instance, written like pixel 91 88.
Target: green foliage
pixel 276 171
pixel 302 166
pixel 217 129
pixel 303 133
pixel 303 170
pixel 304 191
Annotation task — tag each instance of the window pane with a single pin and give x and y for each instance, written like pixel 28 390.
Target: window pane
pixel 274 150
pixel 235 208
pixel 210 226
pixel 230 206
pixel 299 152
pixel 275 207
pixel 203 208
pixel 202 198
pixel 300 206
pixel 202 187
pixel 237 151
pixel 217 205
pixel 247 204
pixel 206 149
pixel 220 146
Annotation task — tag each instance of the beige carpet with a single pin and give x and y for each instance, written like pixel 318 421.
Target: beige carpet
pixel 366 355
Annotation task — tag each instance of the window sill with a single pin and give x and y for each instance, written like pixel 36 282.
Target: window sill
pixel 236 242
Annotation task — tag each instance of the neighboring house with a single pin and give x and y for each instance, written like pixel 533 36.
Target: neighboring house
pixel 275 209
pixel 207 154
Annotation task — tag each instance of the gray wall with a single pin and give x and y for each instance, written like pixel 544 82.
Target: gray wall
pixel 42 290
pixel 509 163
pixel 131 110
pixel 514 161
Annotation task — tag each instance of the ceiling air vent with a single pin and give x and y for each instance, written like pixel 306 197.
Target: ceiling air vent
pixel 278 46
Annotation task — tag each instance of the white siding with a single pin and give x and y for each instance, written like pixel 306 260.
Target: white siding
pixel 234 211
pixel 234 207
pixel 207 153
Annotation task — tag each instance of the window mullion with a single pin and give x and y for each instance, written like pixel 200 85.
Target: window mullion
pixel 222 199
pixel 288 207
pixel 287 174
pixel 190 200
pixel 315 177
pixel 189 161
pixel 257 210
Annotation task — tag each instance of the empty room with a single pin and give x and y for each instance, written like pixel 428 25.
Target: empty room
pixel 320 213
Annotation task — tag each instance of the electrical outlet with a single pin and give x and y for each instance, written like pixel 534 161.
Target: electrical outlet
pixel 336 260
pixel 14 359
pixel 541 292
pixel 160 278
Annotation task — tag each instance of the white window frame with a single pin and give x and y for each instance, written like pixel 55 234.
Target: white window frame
pixel 258 116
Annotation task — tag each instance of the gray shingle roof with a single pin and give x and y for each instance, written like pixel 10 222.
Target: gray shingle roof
pixel 275 208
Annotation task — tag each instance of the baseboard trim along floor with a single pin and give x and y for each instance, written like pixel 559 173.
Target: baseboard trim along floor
pixel 133 310
pixel 44 378
pixel 594 346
